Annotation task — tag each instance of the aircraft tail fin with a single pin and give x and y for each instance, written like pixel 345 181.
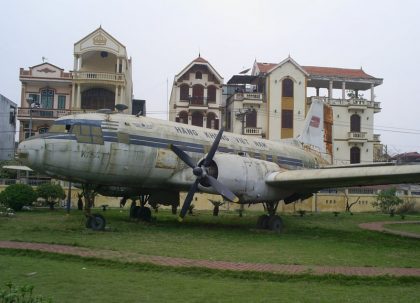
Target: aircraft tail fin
pixel 312 132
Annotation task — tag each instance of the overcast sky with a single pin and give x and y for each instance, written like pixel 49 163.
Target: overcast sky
pixel 162 37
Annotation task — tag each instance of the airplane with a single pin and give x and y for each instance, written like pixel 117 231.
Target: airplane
pixel 124 155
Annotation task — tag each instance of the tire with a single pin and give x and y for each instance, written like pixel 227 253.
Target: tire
pixel 97 222
pixel 262 222
pixel 144 214
pixel 275 224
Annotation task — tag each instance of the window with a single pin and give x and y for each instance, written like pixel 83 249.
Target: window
pixel 184 92
pixel 12 115
pixel 211 93
pixel 87 134
pixel 199 75
pixel 355 123
pixel 354 155
pixel 198 94
pixel 47 98
pixel 197 119
pixel 61 102
pixel 43 130
pixel 287 88
pixel 182 118
pixel 251 119
pixel 287 118
pixel 212 121
pixel 34 98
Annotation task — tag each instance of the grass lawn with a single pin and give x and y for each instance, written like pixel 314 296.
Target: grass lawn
pixel 318 239
pixel 73 280
pixel 409 227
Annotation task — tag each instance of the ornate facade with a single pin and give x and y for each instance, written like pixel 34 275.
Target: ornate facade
pixel 196 96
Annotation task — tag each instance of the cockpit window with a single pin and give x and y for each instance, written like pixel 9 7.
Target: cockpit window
pixel 87 134
pixel 57 128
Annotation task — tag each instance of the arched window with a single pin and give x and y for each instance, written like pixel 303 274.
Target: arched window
pixel 251 119
pixel 182 117
pixel 355 123
pixel 184 92
pixel 287 87
pixel 354 155
pixel 197 119
pixel 198 94
pixel 211 93
pixel 199 75
pixel 212 121
pixel 47 98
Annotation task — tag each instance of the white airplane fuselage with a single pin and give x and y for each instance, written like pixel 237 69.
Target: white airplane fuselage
pixel 117 150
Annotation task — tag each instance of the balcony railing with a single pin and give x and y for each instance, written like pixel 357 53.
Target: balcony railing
pixel 94 76
pixel 357 136
pixel 351 103
pixel 256 131
pixel 377 137
pixel 48 113
pixel 254 97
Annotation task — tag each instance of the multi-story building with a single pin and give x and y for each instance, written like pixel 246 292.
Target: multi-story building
pixel 196 96
pixel 273 102
pixel 101 73
pixel 101 79
pixel 7 128
pixel 45 96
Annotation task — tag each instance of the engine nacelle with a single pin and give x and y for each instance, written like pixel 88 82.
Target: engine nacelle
pixel 245 176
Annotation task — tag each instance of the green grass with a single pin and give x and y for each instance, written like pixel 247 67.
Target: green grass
pixel 409 227
pixel 71 279
pixel 319 239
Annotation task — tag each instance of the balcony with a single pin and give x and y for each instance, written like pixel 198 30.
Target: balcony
pixel 254 131
pixel 352 104
pixel 356 137
pixel 248 98
pixel 99 77
pixel 377 138
pixel 47 114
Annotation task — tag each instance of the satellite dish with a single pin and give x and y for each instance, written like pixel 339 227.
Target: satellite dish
pixel 121 107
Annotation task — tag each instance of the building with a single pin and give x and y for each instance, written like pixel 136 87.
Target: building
pixel 101 73
pixel 273 101
pixel 7 128
pixel 196 96
pixel 45 96
pixel 101 79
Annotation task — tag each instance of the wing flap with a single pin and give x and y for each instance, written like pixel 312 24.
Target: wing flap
pixel 316 179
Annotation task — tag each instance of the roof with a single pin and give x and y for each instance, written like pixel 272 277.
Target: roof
pixel 407 157
pixel 98 30
pixel 200 59
pixel 265 67
pixel 46 63
pixel 337 72
pixel 241 79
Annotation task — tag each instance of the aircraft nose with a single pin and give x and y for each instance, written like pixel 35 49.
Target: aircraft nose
pixel 31 152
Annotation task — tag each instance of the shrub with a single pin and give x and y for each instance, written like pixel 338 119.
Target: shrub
pixel 22 294
pixel 406 208
pixel 387 201
pixel 51 193
pixel 17 195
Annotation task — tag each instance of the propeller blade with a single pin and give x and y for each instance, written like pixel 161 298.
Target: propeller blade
pixel 182 155
pixel 213 148
pixel 188 199
pixel 221 189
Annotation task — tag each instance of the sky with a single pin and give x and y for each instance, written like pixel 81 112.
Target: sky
pixel 162 37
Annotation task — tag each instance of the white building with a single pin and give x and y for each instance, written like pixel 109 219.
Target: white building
pixel 102 75
pixel 7 128
pixel 196 96
pixel 273 101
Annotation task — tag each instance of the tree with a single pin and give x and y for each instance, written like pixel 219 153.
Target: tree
pixel 51 193
pixel 17 195
pixel 387 201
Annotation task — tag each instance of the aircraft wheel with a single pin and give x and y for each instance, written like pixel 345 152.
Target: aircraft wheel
pixel 275 223
pixel 96 222
pixel 144 213
pixel 262 222
pixel 134 211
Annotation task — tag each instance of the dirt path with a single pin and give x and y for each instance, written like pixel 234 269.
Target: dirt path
pixel 221 265
pixel 379 226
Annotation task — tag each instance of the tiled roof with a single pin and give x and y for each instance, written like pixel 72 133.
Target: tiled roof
pixel 265 67
pixel 336 72
pixel 200 59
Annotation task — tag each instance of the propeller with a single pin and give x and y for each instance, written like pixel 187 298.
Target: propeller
pixel 201 171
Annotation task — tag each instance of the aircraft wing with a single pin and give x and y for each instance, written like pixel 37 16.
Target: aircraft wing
pixel 312 180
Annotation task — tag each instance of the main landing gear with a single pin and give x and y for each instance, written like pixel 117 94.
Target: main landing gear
pixel 271 221
pixel 93 221
pixel 142 212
